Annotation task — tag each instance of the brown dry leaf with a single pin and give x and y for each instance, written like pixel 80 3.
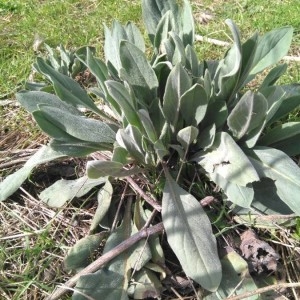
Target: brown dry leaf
pixel 204 17
pixel 259 254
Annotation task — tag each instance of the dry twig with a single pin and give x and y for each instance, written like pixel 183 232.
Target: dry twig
pixel 264 290
pixel 105 258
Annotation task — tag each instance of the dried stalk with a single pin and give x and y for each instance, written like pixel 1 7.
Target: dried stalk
pixel 264 290
pixel 150 200
pixel 201 38
pixel 105 258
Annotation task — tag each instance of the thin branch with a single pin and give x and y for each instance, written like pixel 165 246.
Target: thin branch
pixel 105 258
pixel 150 200
pixel 201 38
pixel 264 290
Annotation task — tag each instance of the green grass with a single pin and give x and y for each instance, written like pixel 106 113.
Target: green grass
pixel 30 266
pixel 72 23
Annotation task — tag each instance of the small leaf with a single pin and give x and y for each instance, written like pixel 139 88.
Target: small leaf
pixel 134 36
pixel 217 114
pixel 227 159
pixel 240 195
pixel 236 278
pixel 163 28
pixel 66 88
pixel 146 285
pixel 271 48
pixel 138 72
pixel 273 76
pixel 177 84
pixel 148 125
pixel 127 140
pixel 12 182
pixel 104 200
pixel 190 235
pixel 192 63
pixel 98 168
pixel 276 165
pixel 193 105
pixel 249 113
pixel 187 136
pixel 179 50
pixel 112 43
pixel 121 96
pixel 63 190
pixel 206 137
pixel 79 256
pixel 285 137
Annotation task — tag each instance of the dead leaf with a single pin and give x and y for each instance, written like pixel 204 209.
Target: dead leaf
pixel 204 17
pixel 259 254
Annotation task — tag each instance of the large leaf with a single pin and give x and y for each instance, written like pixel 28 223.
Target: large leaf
pixel 228 160
pixel 240 195
pixel 285 137
pixel 104 197
pixel 75 147
pixel 163 28
pixel 177 84
pixel 63 190
pixel 112 43
pixel 277 166
pixel 138 72
pixel 193 105
pixel 61 124
pixel 229 67
pixel 111 282
pixel 236 278
pixel 131 140
pixel 134 36
pixel 266 200
pixel 152 14
pixel 121 96
pixel 190 235
pixel 148 125
pixel 82 252
pixel 100 168
pixel 12 182
pixel 187 136
pixel 31 100
pixel 66 88
pixel 271 48
pixel 248 114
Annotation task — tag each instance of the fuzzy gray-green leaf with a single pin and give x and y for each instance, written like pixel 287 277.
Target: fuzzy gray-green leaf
pixel 277 166
pixel 101 168
pixel 193 105
pixel 66 88
pixel 138 72
pixel 177 84
pixel 285 137
pixel 248 114
pixel 228 160
pixel 190 235
pixel 271 48
pixel 82 128
pixel 12 182
pixel 63 190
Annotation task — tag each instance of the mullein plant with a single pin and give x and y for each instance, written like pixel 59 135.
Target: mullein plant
pixel 173 115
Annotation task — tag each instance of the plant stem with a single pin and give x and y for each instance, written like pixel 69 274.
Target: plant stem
pixel 150 200
pixel 105 258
